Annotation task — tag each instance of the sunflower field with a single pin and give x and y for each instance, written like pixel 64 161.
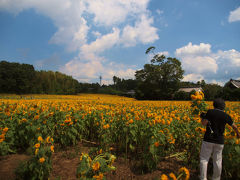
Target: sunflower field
pixel 145 131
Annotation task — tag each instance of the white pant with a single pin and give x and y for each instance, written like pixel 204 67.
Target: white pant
pixel 206 150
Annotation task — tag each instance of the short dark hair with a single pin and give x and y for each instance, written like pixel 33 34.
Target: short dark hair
pixel 219 103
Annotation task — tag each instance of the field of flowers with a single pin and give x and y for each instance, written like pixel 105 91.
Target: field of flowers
pixel 144 131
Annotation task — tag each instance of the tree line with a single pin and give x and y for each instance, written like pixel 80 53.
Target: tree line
pixel 24 79
pixel 160 79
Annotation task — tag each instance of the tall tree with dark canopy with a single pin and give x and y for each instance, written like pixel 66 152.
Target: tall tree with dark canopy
pixel 159 79
pixel 16 78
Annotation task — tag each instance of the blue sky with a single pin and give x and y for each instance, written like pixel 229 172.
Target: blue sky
pixel 86 39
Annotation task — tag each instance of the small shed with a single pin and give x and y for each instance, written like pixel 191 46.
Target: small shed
pixel 131 92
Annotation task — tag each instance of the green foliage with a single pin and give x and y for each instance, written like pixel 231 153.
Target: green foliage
pixel 39 165
pixel 232 94
pixel 49 82
pixel 16 78
pixel 22 78
pixel 124 84
pixel 231 159
pixel 160 79
pixel 211 91
pixel 95 167
pixel 181 95
pixel 6 141
pixel 151 48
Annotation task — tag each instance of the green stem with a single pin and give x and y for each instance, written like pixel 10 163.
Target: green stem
pixel 179 176
pixel 174 155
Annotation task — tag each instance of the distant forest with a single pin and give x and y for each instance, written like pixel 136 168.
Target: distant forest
pixel 24 79
pixel 19 78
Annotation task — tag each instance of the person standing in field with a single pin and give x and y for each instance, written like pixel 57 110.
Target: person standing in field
pixel 213 141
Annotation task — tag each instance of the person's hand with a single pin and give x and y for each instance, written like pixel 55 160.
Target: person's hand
pixel 204 122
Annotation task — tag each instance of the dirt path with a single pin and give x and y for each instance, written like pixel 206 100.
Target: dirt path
pixel 65 164
pixel 8 164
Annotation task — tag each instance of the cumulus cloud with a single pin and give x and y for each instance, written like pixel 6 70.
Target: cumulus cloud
pixel 201 49
pixel 85 71
pixel 66 15
pixel 199 62
pixel 82 70
pixel 193 77
pixel 231 56
pixel 197 58
pixel 100 44
pixel 115 11
pixel 125 23
pixel 234 15
pixel 165 53
pixel 142 32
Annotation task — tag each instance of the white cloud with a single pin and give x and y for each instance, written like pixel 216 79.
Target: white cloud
pixel 220 83
pixel 193 77
pixel 96 34
pixel 165 53
pixel 90 64
pixel 115 11
pixel 197 58
pixel 231 56
pixel 85 71
pixel 201 49
pixel 72 36
pixel 65 14
pixel 159 12
pixel 74 19
pixel 142 32
pixel 199 62
pixel 234 15
pixel 101 44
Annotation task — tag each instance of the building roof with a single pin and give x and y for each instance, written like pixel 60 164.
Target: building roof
pixel 131 92
pixel 235 83
pixel 190 89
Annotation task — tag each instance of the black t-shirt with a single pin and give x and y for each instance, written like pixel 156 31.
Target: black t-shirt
pixel 216 125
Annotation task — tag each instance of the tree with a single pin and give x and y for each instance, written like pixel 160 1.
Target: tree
pixel 159 79
pixel 231 94
pixel 201 83
pixel 22 78
pixel 211 91
pixel 114 80
pixel 117 81
pixel 16 78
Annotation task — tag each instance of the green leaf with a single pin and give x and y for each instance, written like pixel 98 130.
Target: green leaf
pixel 151 48
pixel 132 147
pixel 237 149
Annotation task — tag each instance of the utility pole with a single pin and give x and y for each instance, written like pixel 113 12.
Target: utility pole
pixel 100 77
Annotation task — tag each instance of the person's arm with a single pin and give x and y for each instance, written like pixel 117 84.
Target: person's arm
pixel 204 122
pixel 235 128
